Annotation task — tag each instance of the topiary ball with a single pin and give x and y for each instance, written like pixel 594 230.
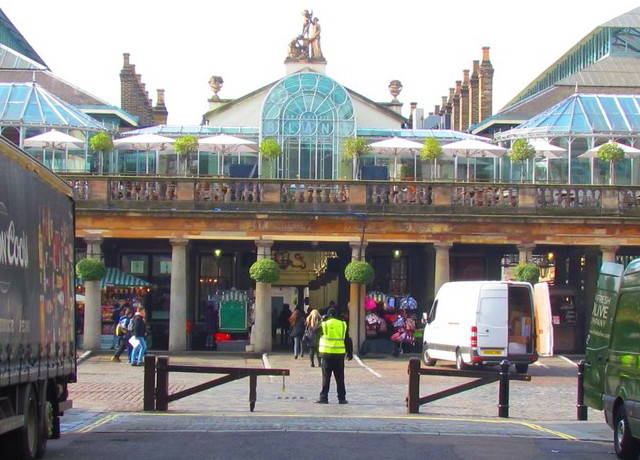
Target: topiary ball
pixel 90 269
pixel 359 272
pixel 265 271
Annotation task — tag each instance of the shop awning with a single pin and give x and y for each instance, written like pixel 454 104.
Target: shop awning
pixel 115 277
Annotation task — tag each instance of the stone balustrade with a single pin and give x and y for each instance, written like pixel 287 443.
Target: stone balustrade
pixel 380 196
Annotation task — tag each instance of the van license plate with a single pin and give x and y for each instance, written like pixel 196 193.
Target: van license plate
pixel 491 352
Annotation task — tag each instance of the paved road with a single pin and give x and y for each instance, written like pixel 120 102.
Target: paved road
pixel 108 404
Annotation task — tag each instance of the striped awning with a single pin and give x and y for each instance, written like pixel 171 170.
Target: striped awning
pixel 115 277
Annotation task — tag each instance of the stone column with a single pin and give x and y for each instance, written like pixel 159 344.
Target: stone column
pixel 609 253
pixel 94 249
pixel 92 301
pixel 261 330
pixel 92 316
pixel 525 251
pixel 357 293
pixel 442 265
pixel 178 299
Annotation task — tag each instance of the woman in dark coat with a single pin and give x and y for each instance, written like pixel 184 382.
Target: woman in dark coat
pixel 297 331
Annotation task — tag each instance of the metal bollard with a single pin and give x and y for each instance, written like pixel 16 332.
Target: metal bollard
pixel 413 394
pixel 503 392
pixel 162 384
pixel 580 406
pixel 149 385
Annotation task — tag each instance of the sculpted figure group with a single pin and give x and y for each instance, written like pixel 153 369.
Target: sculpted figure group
pixel 307 44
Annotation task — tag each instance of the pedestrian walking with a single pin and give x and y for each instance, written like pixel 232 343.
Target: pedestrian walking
pixel 116 313
pixel 124 334
pixel 334 344
pixel 310 338
pixel 211 322
pixel 139 333
pixel 296 320
pixel 283 324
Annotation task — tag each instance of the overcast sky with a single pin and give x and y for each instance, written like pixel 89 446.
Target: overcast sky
pixel 178 45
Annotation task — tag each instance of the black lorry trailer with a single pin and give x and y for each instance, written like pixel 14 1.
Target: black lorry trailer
pixel 37 303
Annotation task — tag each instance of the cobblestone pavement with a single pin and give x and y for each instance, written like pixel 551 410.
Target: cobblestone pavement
pixel 107 393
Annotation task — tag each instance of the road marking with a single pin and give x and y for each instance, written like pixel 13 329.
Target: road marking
pixel 532 426
pixel 96 424
pixel 539 364
pixel 568 360
pixel 359 361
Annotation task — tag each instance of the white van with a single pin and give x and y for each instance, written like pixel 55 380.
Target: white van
pixel 481 322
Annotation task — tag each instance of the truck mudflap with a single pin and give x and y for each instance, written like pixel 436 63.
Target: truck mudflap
pixel 64 406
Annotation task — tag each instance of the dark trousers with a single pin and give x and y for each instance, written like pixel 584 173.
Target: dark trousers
pixel 123 342
pixel 333 365
pixel 313 351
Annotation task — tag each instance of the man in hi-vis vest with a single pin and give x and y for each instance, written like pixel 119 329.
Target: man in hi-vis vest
pixel 333 346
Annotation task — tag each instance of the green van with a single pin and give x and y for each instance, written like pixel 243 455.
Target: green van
pixel 612 371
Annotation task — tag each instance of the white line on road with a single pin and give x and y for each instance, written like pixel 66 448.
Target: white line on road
pixel 359 361
pixel 568 360
pixel 538 363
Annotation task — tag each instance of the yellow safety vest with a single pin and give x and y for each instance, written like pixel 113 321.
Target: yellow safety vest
pixel 332 339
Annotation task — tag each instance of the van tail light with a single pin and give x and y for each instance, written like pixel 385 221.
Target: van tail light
pixel 474 337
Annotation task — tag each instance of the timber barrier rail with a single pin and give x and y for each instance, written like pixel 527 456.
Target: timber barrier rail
pixel 156 381
pixel 414 401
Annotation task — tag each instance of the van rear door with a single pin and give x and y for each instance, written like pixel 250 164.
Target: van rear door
pixel 543 320
pixel 492 321
pixel 599 336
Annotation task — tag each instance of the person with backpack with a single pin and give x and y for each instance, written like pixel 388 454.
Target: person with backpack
pixel 139 332
pixel 124 334
pixel 115 317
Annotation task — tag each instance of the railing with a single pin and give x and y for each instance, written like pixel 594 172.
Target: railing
pixel 568 197
pixel 485 196
pixel 381 196
pixel 314 192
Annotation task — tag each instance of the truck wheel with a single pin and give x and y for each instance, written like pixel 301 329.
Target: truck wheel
pixel 460 364
pixel 428 360
pixel 25 441
pixel 626 446
pixel 522 368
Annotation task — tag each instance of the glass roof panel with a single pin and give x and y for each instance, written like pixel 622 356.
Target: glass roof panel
pixel 594 114
pixel 612 112
pixel 630 109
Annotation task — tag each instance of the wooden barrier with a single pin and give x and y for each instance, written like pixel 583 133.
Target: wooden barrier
pixel 414 401
pixel 156 381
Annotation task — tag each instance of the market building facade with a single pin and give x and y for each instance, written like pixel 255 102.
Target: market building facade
pixel 193 235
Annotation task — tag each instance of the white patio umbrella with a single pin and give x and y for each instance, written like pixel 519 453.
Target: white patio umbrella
pixel 473 148
pixel 546 151
pixel 225 144
pixel 629 152
pixel 396 147
pixel 145 142
pixel 54 140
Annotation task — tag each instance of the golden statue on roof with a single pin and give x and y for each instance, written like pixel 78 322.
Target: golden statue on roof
pixel 306 46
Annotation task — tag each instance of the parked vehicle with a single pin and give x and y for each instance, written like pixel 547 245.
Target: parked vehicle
pixel 37 303
pixel 612 370
pixel 481 322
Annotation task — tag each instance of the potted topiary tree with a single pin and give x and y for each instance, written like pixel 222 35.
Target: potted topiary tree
pixel 184 147
pixel 521 151
pixel 612 153
pixel 91 271
pixel 352 149
pixel 271 150
pixel 431 150
pixel 359 272
pixel 101 143
pixel 264 272
pixel 526 271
